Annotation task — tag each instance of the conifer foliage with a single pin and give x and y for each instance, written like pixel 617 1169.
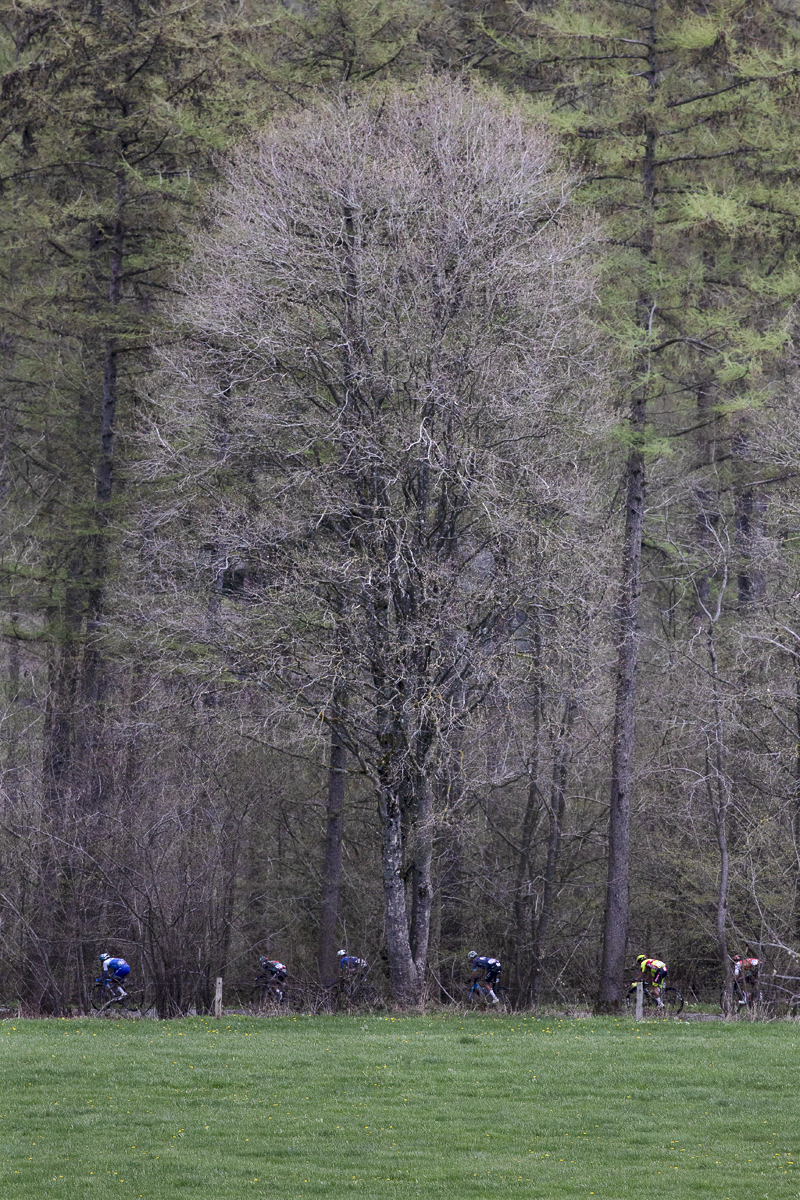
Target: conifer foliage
pixel 360 531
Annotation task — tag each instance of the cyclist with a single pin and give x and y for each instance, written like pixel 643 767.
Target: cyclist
pixel 746 969
pixel 652 971
pixel 115 968
pixel 349 963
pixel 276 970
pixel 491 968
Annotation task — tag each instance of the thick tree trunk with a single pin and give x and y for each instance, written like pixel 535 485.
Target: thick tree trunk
pixel 402 968
pixel 615 928
pixel 421 880
pixel 332 866
pixel 615 925
pixel 750 510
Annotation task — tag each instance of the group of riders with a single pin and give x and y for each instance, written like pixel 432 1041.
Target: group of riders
pixel 653 972
pixel 485 969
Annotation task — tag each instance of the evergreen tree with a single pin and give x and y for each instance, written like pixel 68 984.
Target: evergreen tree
pixel 684 119
pixel 103 151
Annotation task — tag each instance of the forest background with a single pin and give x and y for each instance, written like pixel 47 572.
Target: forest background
pixel 601 758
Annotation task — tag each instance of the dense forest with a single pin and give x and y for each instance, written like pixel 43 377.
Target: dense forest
pixel 399 443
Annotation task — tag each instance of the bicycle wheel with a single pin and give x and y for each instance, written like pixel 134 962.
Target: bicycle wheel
pixel 132 1002
pixel 100 995
pixel 673 1001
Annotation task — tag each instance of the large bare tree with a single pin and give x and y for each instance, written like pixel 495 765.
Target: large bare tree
pixel 390 382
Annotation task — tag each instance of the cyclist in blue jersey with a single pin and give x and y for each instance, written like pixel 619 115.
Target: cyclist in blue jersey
pixel 349 962
pixel 491 968
pixel 116 969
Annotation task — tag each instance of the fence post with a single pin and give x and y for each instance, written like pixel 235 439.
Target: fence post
pixel 639 1000
pixel 218 999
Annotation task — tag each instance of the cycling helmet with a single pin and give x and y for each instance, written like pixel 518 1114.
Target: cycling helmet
pixel 340 953
pixel 737 958
pixel 472 954
pixel 640 958
pixel 105 957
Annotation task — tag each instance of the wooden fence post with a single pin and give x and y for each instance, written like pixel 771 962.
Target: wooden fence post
pixel 218 999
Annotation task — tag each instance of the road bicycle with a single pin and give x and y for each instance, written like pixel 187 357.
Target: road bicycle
pixel 477 997
pixel 671 999
pixel 268 993
pixel 104 995
pixel 742 998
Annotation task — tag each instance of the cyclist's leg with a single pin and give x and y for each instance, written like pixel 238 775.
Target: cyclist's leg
pixel 657 987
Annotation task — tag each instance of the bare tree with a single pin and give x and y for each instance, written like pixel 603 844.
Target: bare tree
pixel 391 302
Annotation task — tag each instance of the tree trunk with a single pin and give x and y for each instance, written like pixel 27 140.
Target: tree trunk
pixel 421 881
pixel 530 822
pixel 402 968
pixel 719 800
pixel 522 888
pixel 556 812
pixel 332 868
pixel 615 926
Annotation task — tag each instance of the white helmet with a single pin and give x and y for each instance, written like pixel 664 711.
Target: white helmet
pixel 472 954
pixel 339 953
pixel 104 957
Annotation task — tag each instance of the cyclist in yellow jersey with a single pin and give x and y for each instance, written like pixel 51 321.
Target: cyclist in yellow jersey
pixel 652 971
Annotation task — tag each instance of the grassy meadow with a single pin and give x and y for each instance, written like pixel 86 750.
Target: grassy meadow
pixel 398 1107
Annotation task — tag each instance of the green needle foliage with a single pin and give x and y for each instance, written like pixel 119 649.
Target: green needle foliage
pixel 685 120
pixel 102 153
pixel 398 1108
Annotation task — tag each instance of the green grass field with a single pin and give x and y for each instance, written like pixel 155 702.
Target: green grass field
pixel 399 1107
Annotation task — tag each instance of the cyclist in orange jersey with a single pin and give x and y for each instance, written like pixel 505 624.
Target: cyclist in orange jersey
pixel 745 972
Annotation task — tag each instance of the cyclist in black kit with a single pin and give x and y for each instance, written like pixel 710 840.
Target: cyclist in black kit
pixel 491 968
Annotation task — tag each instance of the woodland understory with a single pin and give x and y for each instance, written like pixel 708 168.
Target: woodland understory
pixel 398 486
